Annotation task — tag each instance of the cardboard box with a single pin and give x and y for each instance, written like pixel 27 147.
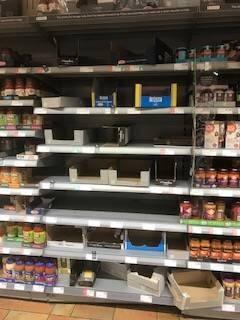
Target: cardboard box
pixel 29 7
pixel 9 8
pixel 177 246
pixel 104 238
pixel 214 134
pixel 64 236
pixel 117 270
pixel 135 173
pixel 153 284
pixel 61 102
pixel 94 171
pixel 195 289
pixel 145 240
pixel 233 135
pixel 81 137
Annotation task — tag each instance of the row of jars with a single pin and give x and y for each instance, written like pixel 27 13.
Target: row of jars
pixel 10 118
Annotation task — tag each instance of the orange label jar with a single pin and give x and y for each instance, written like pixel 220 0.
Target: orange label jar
pixel 234 178
pixel 5 177
pixel 28 235
pixel 39 236
pixel 16 178
pixel 50 274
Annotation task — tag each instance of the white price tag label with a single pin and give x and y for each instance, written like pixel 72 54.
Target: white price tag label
pixel 51 220
pixel 94 223
pixel 145 298
pixel 6 250
pixel 195 229
pixel 5 217
pixel 20 163
pixel 82 187
pixel 58 290
pixel 19 286
pixel 181 66
pixel 207 66
pixel 27 252
pixel 131 260
pixel 86 69
pixel 43 149
pixel 89 293
pixel 3 285
pixel 194 265
pixel 197 192
pixel 155 189
pixel 235 232
pixel 82 111
pixel 225 193
pixel 30 218
pixel 116 68
pixel 216 231
pixel 229 153
pixel 116 225
pixel 90 256
pixel 16 103
pixel 38 288
pixel 149 226
pixel 236 268
pixel 101 294
pixel 134 68
pixel 216 267
pixel 225 111
pixel 170 263
pixel 229 307
pixel 41 18
pixel 88 149
pixel 26 192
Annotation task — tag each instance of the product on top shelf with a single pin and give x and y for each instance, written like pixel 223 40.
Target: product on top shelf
pixel 15 177
pixel 233 135
pixel 28 270
pixel 214 134
pixel 10 58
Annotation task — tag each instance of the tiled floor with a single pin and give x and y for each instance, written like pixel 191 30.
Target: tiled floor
pixel 11 309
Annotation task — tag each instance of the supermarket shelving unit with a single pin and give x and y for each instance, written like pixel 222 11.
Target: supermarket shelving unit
pixel 105 290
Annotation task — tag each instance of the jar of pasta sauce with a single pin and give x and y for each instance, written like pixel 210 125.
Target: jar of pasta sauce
pixel 229 286
pixel 211 178
pixel 233 178
pixel 209 210
pixel 237 290
pixel 207 52
pixel 199 177
pixel 186 210
pixel 235 212
pixel 222 178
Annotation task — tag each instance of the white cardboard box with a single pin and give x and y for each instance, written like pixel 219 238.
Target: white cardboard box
pixel 61 102
pixel 81 137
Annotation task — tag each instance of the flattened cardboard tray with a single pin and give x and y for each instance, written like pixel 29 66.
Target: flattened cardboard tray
pixel 190 297
pixel 101 179
pixel 81 137
pixel 142 181
pixel 61 102
pixel 65 244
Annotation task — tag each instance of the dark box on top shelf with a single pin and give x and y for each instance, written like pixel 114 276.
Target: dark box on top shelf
pixel 104 238
pixel 9 8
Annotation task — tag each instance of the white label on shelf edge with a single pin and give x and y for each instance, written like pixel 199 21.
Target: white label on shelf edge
pixel 89 256
pixel 194 265
pixel 155 189
pixel 41 18
pixel 131 260
pixel 19 286
pixel 94 223
pixel 86 69
pixel 225 193
pixel 38 288
pixel 170 263
pixel 229 307
pixel 5 250
pixel 101 294
pixel 26 192
pixel 30 218
pixel 89 293
pixel 236 268
pixel 145 298
pixel 51 220
pixel 149 226
pixel 16 103
pixel 116 225
pixel 58 290
pixel 3 285
pixel 216 231
pixel 216 267
pixel 195 229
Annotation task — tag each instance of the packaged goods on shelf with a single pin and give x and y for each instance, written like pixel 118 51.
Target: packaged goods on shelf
pixel 231 286
pixel 94 171
pixel 29 271
pixel 80 138
pixel 88 273
pixel 214 134
pixel 13 121
pixel 150 280
pixel 61 102
pixel 195 289
pixel 224 51
pixel 51 7
pixel 104 96
pixel 64 236
pixel 165 172
pixel 213 178
pixel 69 271
pixel 11 58
pixel 117 270
pixel 29 152
pixel 217 250
pixel 145 240
pixel 233 135
pixel 210 213
pixel 211 5
pixel 15 177
pixel 130 173
pixel 156 97
pixel 104 238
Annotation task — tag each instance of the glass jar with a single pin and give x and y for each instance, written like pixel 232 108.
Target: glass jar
pixel 199 177
pixel 211 178
pixel 209 210
pixel 233 178
pixel 222 178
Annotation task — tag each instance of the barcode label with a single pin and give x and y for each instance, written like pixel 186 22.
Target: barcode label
pixel 145 298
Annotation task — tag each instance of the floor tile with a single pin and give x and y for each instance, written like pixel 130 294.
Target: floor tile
pixel 167 316
pixel 54 317
pixel 24 305
pixel 94 312
pixel 61 309
pixel 134 314
pixel 3 313
pixel 18 315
